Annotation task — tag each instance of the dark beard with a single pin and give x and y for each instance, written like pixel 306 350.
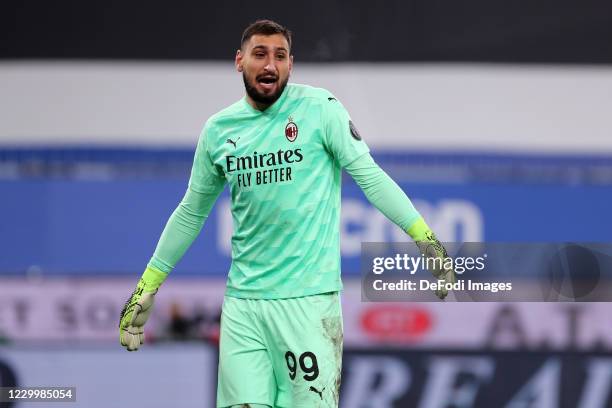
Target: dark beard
pixel 263 99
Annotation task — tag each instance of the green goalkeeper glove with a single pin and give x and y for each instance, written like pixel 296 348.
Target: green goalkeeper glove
pixel 138 308
pixel 430 247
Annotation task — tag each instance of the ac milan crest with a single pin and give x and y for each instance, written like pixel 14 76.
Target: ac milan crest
pixel 291 130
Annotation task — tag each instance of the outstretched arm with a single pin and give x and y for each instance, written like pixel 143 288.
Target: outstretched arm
pixel 345 144
pixel 184 225
pixel 389 198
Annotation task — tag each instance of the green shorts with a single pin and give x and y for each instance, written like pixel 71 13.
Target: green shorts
pixel 281 353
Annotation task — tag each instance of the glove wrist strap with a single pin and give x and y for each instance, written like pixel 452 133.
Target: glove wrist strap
pixel 419 230
pixel 152 279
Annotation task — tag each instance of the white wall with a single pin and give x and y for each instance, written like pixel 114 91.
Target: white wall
pixel 468 107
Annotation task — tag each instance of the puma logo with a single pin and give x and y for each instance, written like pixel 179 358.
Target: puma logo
pixel 230 141
pixel 313 389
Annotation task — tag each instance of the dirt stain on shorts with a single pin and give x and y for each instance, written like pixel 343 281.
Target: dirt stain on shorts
pixel 333 331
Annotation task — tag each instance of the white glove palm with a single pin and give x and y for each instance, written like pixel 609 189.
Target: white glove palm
pixel 138 309
pixel 132 327
pixel 433 249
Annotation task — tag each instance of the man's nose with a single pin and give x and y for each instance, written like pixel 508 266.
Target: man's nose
pixel 270 66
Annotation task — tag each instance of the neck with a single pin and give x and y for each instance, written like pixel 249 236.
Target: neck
pixel 257 105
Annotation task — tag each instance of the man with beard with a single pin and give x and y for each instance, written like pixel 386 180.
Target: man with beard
pixel 281 149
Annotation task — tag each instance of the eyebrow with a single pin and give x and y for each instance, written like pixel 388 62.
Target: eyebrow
pixel 265 48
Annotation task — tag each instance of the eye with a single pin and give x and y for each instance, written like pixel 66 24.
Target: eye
pixel 259 55
pixel 280 56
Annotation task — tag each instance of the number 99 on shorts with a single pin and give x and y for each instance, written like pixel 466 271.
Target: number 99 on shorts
pixel 306 364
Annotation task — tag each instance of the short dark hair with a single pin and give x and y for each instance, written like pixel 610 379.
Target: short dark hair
pixel 265 27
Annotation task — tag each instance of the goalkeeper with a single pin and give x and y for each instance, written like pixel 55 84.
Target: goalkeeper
pixel 281 150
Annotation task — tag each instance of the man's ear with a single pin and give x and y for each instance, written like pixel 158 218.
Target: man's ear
pixel 290 63
pixel 238 61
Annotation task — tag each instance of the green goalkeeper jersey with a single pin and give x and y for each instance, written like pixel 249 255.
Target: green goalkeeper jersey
pixel 283 166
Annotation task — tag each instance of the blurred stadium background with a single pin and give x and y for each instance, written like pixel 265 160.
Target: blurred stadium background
pixel 495 117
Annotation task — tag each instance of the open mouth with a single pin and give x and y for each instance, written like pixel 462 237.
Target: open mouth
pixel 267 81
